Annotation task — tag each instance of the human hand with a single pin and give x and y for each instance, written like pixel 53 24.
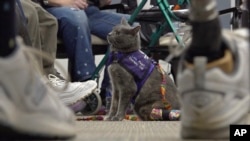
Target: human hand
pixel 81 4
pixel 104 2
pixel 68 3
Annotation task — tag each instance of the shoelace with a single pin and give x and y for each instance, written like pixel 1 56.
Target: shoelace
pixel 30 53
pixel 56 81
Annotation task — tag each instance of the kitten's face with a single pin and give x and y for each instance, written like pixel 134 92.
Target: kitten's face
pixel 123 37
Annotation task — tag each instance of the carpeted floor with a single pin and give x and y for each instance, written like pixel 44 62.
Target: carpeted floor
pixel 130 131
pixel 94 128
pixel 102 117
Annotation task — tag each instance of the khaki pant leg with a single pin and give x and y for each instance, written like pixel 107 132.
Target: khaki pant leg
pixel 32 26
pixel 48 31
pixel 48 28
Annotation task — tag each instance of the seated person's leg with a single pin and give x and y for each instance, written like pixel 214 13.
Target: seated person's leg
pixel 32 22
pixel 23 96
pixel 33 26
pixel 201 21
pixel 101 22
pixel 48 32
pixel 213 79
pixel 47 27
pixel 7 34
pixel 75 33
pixel 22 25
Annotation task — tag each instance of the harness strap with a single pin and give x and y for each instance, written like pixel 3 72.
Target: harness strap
pixel 139 85
pixel 163 88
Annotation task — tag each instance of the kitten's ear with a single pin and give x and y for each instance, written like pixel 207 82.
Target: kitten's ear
pixel 124 21
pixel 135 30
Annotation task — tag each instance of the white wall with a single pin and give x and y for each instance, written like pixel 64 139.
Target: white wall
pixel 226 18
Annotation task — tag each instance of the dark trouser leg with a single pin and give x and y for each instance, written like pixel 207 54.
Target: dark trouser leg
pixel 203 19
pixel 7 28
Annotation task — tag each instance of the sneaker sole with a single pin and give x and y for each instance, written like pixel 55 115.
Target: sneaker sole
pixel 79 96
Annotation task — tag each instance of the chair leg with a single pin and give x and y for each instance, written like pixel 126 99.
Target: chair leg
pixel 70 70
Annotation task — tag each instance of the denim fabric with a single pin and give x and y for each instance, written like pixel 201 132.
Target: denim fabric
pixel 101 22
pixel 75 33
pixel 75 28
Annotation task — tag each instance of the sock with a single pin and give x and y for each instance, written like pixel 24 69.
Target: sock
pixel 225 63
pixel 206 41
pixel 206 31
pixel 7 28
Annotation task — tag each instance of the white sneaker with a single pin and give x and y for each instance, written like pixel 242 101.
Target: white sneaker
pixel 211 99
pixel 73 92
pixel 28 106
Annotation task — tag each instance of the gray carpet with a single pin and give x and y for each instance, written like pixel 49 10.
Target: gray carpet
pixel 128 131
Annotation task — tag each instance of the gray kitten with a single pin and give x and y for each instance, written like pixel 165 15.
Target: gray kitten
pixel 138 79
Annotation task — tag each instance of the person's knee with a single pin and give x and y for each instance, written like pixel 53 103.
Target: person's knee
pixel 75 18
pixel 52 20
pixel 29 12
pixel 45 16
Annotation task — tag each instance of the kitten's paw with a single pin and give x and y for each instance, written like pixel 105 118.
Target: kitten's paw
pixel 108 118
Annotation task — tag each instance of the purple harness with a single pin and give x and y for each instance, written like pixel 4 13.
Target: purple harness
pixel 137 63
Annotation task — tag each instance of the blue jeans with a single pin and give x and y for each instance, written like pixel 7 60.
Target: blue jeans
pixel 102 22
pixel 75 28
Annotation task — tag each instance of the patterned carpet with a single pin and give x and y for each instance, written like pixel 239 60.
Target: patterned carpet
pixel 100 116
